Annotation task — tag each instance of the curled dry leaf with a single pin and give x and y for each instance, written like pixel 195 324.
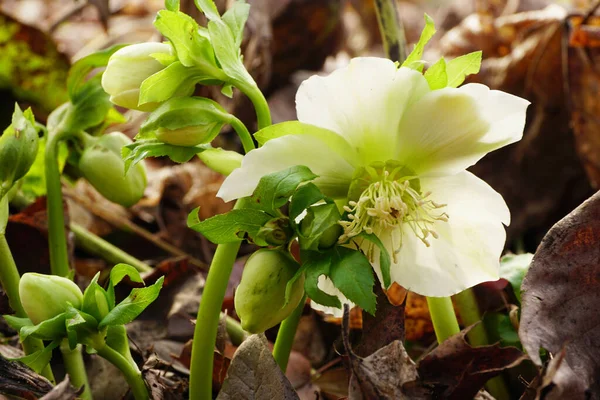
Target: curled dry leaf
pixel 254 374
pixel 63 391
pixel 18 380
pixel 561 293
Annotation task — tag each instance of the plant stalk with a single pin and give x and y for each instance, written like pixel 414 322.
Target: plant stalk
pixel 286 335
pixel 76 368
pixel 244 135
pixel 130 371
pixel 263 113
pixel 443 317
pixel 392 30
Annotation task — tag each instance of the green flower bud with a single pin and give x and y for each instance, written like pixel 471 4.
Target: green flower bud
pixel 18 148
pixel 128 68
pixel 186 121
pixel 260 297
pixel 222 161
pixel 101 164
pixel 320 229
pixel 46 296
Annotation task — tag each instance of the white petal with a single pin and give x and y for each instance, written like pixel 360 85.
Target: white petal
pixel 450 129
pixel 326 285
pixel 335 173
pixel 469 246
pixel 363 102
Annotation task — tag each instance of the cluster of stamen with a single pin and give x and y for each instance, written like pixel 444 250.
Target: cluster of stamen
pixel 389 203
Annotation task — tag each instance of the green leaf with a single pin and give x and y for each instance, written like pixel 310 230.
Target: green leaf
pixel 236 18
pixel 90 105
pixel 38 360
pixel 96 301
pixel 174 80
pixel 436 75
pixel 82 68
pixel 384 257
pixel 513 268
pixel 228 54
pixel 458 68
pixel 275 189
pixel 318 264
pixel 137 301
pixel 229 227
pixel 501 329
pixel 81 328
pixel 290 284
pixel 304 197
pixel 172 5
pixel 49 329
pixel 321 218
pixel 415 56
pixel 209 8
pixel 352 274
pixel 117 274
pixel 17 322
pixel 227 90
pixel 137 151
pixel 191 47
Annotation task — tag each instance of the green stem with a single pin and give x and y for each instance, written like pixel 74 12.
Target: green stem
pixel 57 236
pixel 234 330
pixel 466 302
pixel 392 31
pixel 263 113
pixel 207 320
pixel 75 367
pixel 443 317
pixel 244 135
pixel 97 246
pixel 130 371
pixel 9 278
pixel 286 335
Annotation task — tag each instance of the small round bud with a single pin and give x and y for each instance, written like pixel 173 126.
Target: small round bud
pixel 260 297
pixel 320 229
pixel 128 68
pixel 101 164
pixel 46 296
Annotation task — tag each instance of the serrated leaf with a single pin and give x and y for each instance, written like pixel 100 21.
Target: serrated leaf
pixel 513 268
pixel 275 189
pixel 172 5
pixel 209 8
pixel 49 329
pixel 236 18
pixel 174 80
pixel 321 217
pixel 133 305
pixel 458 68
pixel 229 227
pixel 318 264
pixel 81 327
pixel 17 322
pixel 117 274
pixel 352 274
pixel 436 75
pixel 413 60
pixel 304 197
pixel 227 52
pixel 38 360
pixel 384 257
pixel 141 149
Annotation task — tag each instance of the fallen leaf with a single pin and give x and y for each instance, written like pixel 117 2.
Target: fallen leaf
pixel 18 380
pixel 63 391
pixel 254 374
pixel 561 293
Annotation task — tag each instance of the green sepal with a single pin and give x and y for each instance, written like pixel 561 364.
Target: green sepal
pixel 320 229
pixel 318 264
pixel 458 68
pixel 352 274
pixel 384 257
pixel 95 300
pixel 436 75
pixel 413 60
pixel 133 305
pixel 229 227
pixel 141 149
pixel 50 329
pixel 174 80
pixel 38 360
pixel 82 328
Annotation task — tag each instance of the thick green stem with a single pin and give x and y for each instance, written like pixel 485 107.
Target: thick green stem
pixel 443 317
pixel 286 335
pixel 263 113
pixel 130 371
pixel 9 278
pixel 466 302
pixel 392 31
pixel 234 330
pixel 57 236
pixel 207 321
pixel 97 246
pixel 244 135
pixel 75 367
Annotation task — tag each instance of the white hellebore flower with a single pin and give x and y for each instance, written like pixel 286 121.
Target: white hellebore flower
pixel 442 226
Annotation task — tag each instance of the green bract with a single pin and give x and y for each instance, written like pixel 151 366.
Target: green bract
pixel 101 164
pixel 46 296
pixel 260 297
pixel 129 67
pixel 18 148
pixel 186 121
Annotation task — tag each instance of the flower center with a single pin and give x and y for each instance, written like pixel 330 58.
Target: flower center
pixel 389 202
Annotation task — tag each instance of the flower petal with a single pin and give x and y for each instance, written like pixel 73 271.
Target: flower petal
pixel 450 129
pixel 362 102
pixel 335 173
pixel 469 246
pixel 327 286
